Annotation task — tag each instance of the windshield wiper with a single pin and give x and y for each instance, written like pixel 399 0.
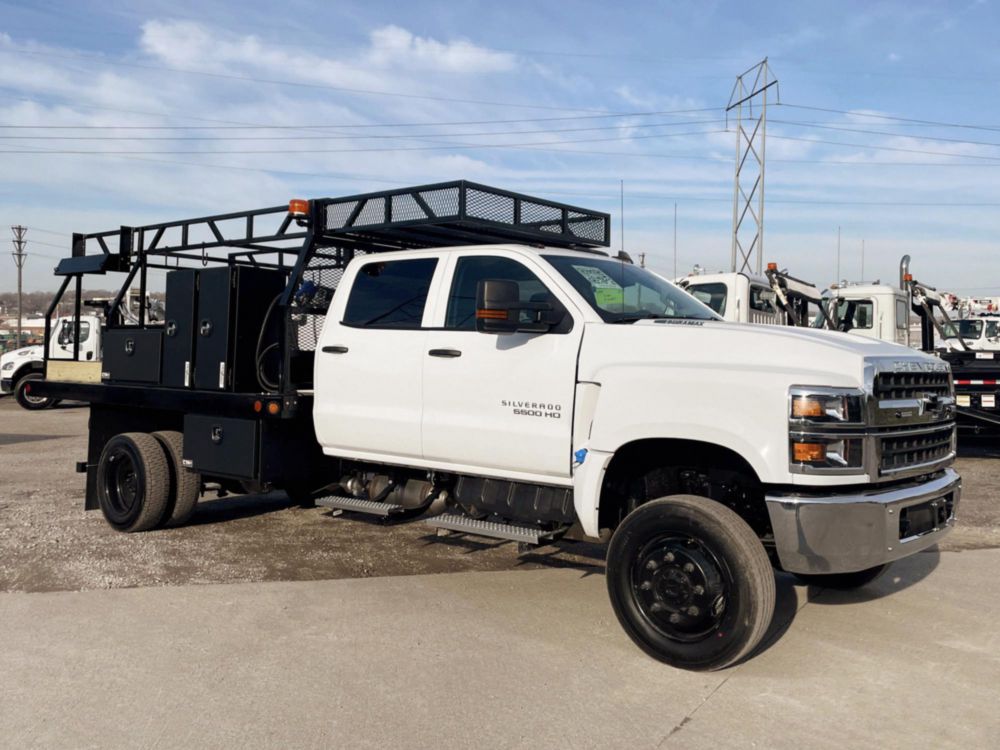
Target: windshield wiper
pixel 637 316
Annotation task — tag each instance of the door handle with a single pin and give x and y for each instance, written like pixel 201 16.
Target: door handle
pixel 450 353
pixel 335 349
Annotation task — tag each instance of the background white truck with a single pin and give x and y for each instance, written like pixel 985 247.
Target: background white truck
pixel 471 355
pixel 21 368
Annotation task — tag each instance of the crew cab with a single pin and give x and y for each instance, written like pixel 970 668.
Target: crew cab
pixel 472 356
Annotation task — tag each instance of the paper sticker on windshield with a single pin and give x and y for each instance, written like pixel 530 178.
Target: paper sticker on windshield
pixel 607 291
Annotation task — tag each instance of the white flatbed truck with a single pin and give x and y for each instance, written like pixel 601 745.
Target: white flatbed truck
pixel 473 356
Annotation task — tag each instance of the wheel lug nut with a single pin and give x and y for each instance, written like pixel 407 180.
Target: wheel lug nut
pixel 652 565
pixel 675 618
pixel 693 611
pixel 669 557
pixel 699 589
pixel 646 585
pixel 657 607
pixel 688 567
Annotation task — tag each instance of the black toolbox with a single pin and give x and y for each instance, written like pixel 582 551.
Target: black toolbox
pixel 179 328
pixel 131 355
pixel 233 302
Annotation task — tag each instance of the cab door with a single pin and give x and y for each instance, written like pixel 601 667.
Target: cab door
pixel 496 402
pixel 369 359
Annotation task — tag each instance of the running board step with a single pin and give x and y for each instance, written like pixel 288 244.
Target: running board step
pixel 466 525
pixel 357 505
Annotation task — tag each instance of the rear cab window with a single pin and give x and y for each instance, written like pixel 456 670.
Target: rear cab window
pixel 390 294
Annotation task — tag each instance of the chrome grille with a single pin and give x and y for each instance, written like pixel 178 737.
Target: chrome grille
pixel 892 386
pixel 916 447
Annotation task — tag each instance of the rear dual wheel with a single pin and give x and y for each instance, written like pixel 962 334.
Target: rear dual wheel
pixel 141 483
pixel 690 582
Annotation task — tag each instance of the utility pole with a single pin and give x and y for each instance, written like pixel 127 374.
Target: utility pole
pixel 675 240
pixel 622 211
pixel 19 257
pixel 837 280
pixel 751 88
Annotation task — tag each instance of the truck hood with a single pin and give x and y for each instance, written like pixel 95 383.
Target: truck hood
pixel 24 354
pixel 794 355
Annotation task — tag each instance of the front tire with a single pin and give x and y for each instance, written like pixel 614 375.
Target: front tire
pixel 690 582
pixel 22 392
pixel 133 482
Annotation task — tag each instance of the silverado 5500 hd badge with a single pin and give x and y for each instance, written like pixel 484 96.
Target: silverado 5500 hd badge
pixel 533 408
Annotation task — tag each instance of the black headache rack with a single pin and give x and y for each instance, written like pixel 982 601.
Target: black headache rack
pixel 307 244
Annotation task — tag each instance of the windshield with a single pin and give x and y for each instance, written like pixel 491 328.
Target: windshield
pixel 714 295
pixel 622 293
pixel 970 329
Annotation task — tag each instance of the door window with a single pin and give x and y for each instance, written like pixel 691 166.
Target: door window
pixel 902 318
pixel 390 294
pixel 66 332
pixel 471 269
pixel 759 301
pixel 856 314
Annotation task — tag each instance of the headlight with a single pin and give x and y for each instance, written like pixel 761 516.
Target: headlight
pixel 826 452
pixel 826 405
pixel 826 430
pixel 8 366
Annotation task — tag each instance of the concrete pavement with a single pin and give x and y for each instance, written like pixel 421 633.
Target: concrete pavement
pixel 529 658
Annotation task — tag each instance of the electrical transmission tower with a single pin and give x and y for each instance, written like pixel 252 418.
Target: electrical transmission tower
pixel 19 257
pixel 749 102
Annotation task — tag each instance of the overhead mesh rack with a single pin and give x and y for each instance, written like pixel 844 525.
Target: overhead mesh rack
pixel 457 213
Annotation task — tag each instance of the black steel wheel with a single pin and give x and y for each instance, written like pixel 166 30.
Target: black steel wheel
pixel 185 484
pixel 690 582
pixel 842 581
pixel 133 482
pixel 22 392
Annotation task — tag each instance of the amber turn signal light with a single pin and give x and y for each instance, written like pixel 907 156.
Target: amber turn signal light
pixel 806 453
pixel 806 407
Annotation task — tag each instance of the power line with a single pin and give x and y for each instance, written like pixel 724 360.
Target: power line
pixel 447 123
pixel 455 146
pixel 892 117
pixel 352 136
pixel 882 132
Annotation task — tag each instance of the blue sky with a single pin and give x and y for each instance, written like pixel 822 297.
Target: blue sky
pixel 184 69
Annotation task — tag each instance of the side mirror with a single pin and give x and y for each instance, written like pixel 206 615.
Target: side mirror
pixel 499 310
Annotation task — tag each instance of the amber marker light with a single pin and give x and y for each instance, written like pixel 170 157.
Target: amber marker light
pixel 491 314
pixel 806 453
pixel 273 407
pixel 298 207
pixel 806 407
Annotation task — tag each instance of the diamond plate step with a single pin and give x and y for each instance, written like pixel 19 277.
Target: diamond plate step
pixel 466 525
pixel 356 504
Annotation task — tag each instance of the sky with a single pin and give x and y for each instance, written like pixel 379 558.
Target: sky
pixel 127 112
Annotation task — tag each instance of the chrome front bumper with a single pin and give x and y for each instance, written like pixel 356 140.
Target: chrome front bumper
pixel 844 533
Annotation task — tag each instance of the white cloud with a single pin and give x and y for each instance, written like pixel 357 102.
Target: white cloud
pixel 392 46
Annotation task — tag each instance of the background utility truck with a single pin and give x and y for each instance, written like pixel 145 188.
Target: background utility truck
pixel 472 355
pixel 20 368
